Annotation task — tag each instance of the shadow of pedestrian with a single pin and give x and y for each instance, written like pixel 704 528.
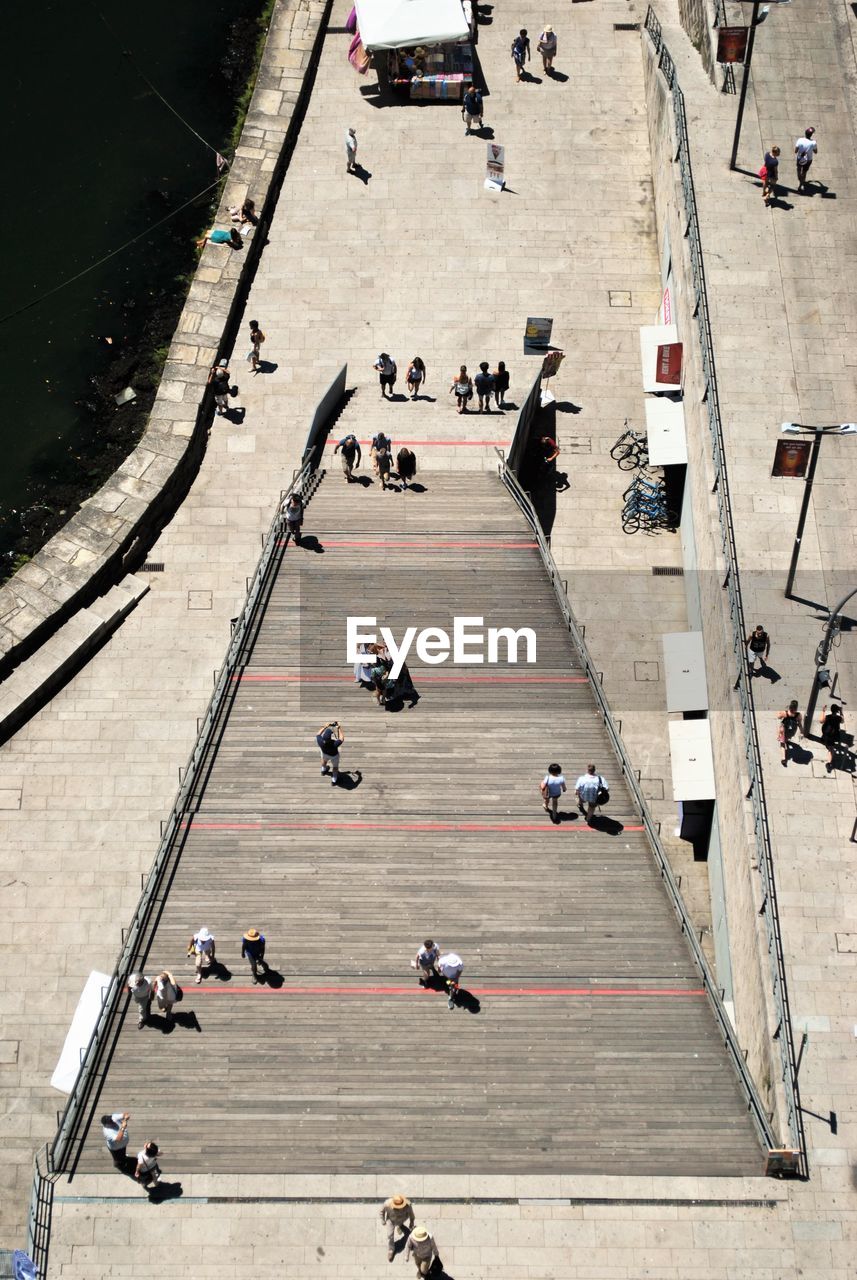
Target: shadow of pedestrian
pixel 530 78
pixel 767 673
pixel 798 754
pixel 465 1000
pixel 162 1191
pixel 564 815
pixel 349 780
pixel 363 174
pixel 187 1019
pixel 565 406
pixel 219 972
pixel 267 366
pixel 558 75
pixel 365 481
pixel 309 542
pixel 235 413
pixel 561 481
pixel 272 979
pixel 416 488
pixel 610 826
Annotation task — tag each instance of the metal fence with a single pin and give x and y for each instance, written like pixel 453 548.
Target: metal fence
pixel 41 1207
pixel 743 685
pixel 733 1048
pixel 173 830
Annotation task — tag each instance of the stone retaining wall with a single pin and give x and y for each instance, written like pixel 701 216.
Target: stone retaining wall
pixel 111 531
pixel 755 1017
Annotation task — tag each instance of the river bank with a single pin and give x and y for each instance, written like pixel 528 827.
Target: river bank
pixel 113 161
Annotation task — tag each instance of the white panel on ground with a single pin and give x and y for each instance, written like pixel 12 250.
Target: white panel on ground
pixel 80 1031
pixel 684 671
pixel 691 760
pixel 666 433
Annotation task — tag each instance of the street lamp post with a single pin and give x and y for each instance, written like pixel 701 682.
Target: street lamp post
pixel 798 428
pixel 755 21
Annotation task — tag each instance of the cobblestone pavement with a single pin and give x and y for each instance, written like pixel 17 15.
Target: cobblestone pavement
pixel 421 258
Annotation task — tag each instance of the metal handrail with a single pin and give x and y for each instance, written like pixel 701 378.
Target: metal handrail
pixel 304 480
pixel 743 685
pixel 40 1211
pixel 754 1102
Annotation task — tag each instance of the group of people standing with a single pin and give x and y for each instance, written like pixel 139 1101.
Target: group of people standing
pixel 486 385
pixel 790 720
pixel 591 790
pixel 381 453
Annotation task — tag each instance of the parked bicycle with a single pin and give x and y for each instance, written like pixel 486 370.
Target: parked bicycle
pixel 646 488
pixel 631 449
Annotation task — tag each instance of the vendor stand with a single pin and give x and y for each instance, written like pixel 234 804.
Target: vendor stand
pixel 422 48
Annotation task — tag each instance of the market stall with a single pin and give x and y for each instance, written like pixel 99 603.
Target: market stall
pixel 421 48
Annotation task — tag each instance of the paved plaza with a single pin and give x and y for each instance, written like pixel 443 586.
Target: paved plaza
pixel 421 259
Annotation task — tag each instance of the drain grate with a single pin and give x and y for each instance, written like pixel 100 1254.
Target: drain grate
pixel 666 571
pixel 626 26
pixel 152 566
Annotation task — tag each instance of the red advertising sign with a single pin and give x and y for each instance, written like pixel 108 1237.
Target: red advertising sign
pixel 668 363
pixel 731 44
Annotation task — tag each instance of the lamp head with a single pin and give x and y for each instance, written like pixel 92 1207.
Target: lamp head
pixel 791 428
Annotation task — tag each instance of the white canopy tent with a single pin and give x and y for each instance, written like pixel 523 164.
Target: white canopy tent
pixel 399 24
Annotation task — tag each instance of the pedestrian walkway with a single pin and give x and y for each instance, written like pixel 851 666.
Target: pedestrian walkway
pixel 584 1040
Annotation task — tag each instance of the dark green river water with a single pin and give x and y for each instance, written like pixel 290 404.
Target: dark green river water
pixel 91 159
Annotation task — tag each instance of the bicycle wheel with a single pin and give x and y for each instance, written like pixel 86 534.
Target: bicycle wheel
pixel 621 446
pixel 630 524
pixel 629 459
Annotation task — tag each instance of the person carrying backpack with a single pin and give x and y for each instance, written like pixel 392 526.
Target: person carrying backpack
pixel 591 790
pixel 758 647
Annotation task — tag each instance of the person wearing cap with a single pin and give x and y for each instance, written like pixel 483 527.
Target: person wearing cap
pixel 350 151
pixel 253 949
pixel 450 966
pixel 422 1248
pixel 201 947
pixel 547 48
pixel 141 990
pixel 805 148
pixel 218 380
pixel 397 1212
pixel 115 1130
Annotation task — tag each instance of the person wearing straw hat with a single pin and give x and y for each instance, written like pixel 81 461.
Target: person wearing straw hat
pixel 253 949
pixel 201 947
pixel 396 1213
pixel 547 48
pixel 422 1248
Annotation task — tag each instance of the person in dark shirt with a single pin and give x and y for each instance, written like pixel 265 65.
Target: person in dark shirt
pixel 329 739
pixel 772 172
pixel 831 726
pixel 253 950
pixel 351 455
pixel 484 383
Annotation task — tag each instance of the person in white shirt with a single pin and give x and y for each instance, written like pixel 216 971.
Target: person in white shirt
pixel 426 961
pixel 552 787
pixel 165 990
pixel 201 947
pixel 141 990
pixel 350 151
pixel 449 967
pixel 805 148
pixel 148 1170
pixel 587 788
